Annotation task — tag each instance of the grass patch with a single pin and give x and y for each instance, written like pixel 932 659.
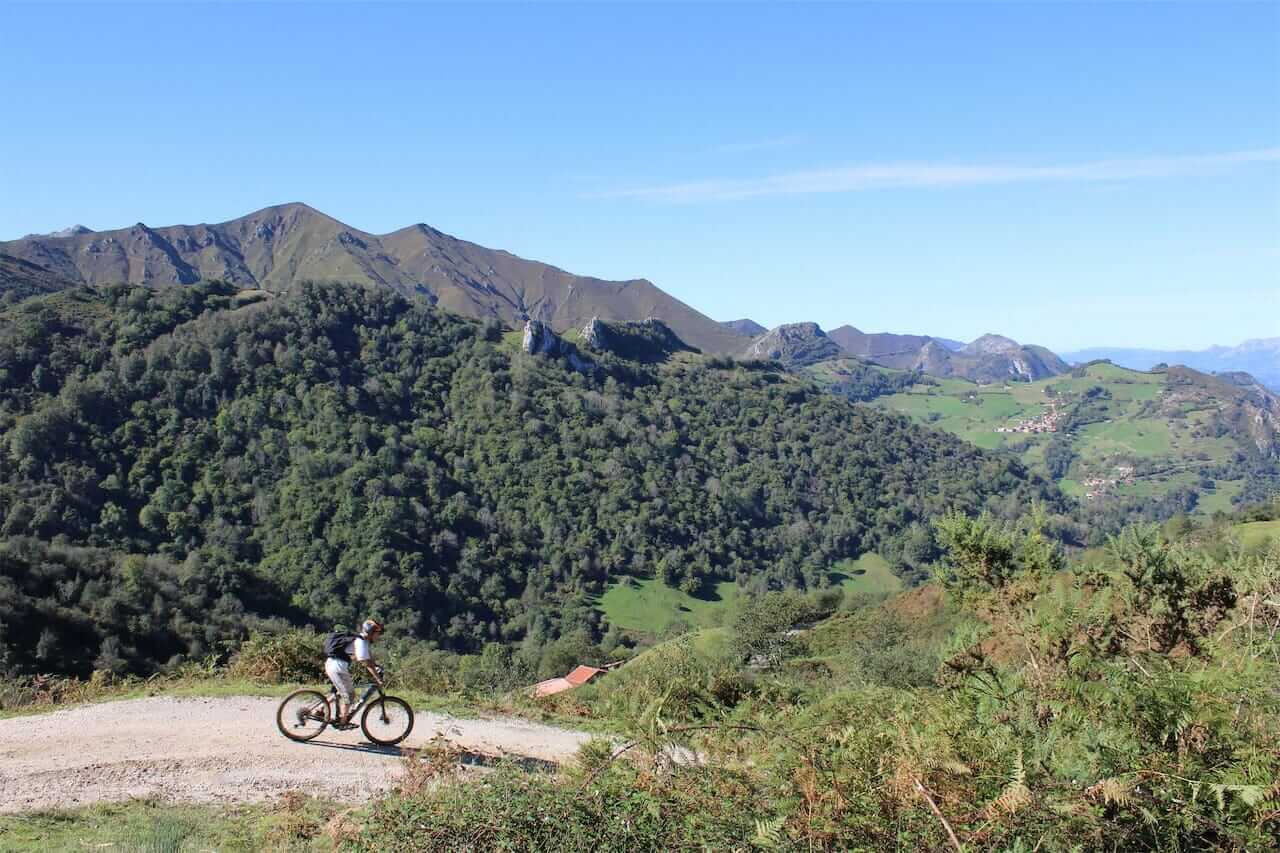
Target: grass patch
pixel 294 823
pixel 1256 532
pixel 1141 437
pixel 1071 487
pixel 649 605
pixel 1219 499
pixel 870 574
pixel 513 341
pixel 212 686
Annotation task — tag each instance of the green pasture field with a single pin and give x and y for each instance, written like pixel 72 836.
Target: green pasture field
pixel 1071 487
pixel 648 605
pixel 1130 432
pixel 1219 500
pixel 870 573
pixel 1142 437
pixel 1123 384
pixel 1256 532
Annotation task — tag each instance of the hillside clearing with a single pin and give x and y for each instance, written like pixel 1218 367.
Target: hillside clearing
pixel 648 605
pixel 870 573
pixel 1256 532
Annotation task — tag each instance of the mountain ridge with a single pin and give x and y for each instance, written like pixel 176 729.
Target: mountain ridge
pixel 1259 357
pixel 281 245
pixel 989 358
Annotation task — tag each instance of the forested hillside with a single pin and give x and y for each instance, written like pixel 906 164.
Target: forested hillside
pixel 343 450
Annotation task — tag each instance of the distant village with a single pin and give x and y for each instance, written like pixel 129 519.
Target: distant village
pixel 1097 487
pixel 1047 421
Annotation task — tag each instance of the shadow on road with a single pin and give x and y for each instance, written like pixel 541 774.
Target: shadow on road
pixel 466 757
pixel 373 748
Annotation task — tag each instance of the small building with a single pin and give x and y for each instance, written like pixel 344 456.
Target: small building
pixel 578 677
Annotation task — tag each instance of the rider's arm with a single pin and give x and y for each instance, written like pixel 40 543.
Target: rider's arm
pixel 364 654
pixel 372 666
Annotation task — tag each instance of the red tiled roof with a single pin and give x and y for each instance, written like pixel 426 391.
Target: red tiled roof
pixel 578 677
pixel 582 674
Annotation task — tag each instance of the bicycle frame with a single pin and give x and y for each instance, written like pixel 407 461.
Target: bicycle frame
pixel 370 690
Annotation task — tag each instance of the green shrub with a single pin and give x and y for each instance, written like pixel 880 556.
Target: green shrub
pixel 288 657
pixel 622 810
pixel 428 670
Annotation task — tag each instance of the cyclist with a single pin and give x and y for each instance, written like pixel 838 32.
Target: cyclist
pixel 341 649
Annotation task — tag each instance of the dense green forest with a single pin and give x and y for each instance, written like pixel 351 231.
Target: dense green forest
pixel 342 451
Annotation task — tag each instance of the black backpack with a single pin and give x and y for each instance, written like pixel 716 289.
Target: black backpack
pixel 335 645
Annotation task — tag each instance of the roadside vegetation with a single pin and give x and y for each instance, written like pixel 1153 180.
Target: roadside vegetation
pixel 296 823
pixel 1124 700
pixel 1024 703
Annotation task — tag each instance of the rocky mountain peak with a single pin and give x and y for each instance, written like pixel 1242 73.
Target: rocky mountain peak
pixel 649 340
pixel 541 339
pixel 748 327
pixel 991 344
pixel 795 345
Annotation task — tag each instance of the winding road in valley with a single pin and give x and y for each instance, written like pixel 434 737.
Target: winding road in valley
pixel 228 750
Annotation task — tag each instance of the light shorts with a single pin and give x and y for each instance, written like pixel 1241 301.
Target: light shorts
pixel 339 672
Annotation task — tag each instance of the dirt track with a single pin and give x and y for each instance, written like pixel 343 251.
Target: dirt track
pixel 223 750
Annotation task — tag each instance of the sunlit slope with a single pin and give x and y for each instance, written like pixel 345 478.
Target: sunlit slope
pixel 1104 431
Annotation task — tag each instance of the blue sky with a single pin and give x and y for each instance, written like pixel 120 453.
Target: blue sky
pixel 1070 175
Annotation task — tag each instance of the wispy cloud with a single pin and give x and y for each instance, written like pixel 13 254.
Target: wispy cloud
pixel 878 176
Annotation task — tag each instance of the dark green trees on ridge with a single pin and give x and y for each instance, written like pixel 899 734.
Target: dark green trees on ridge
pixel 341 451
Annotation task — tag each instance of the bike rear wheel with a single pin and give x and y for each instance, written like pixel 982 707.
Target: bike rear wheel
pixel 387 721
pixel 303 715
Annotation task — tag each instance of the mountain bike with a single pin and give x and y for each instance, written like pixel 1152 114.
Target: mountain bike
pixel 304 714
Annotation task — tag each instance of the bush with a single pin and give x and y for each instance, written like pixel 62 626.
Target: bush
pixel 762 627
pixel 428 670
pixel 288 657
pixel 495 670
pixel 684 809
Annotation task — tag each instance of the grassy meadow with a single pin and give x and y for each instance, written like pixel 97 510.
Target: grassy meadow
pixel 646 605
pixel 1130 427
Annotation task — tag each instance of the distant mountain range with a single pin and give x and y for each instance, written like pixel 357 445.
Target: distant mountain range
pixel 1259 357
pixel 883 344
pixel 990 358
pixel 278 246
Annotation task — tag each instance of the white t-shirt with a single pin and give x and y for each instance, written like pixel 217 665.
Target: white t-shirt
pixel 358 649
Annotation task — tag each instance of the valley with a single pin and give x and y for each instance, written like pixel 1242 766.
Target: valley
pixel 789 564
pixel 1108 434
pixel 640 428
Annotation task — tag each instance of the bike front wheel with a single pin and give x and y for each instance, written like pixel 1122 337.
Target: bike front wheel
pixel 387 721
pixel 303 715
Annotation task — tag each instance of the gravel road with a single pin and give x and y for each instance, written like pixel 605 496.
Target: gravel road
pixel 224 750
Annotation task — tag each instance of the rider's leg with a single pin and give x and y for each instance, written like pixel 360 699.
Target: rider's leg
pixel 339 673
